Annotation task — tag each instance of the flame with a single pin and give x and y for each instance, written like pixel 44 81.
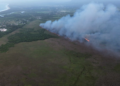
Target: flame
pixel 87 39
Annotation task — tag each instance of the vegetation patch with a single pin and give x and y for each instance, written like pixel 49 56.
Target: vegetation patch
pixel 79 71
pixel 10 28
pixel 25 35
pixel 117 68
pixel 5 47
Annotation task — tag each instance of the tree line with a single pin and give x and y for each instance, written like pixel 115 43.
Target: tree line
pixel 25 36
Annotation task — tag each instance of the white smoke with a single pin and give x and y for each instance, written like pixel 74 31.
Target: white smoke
pixel 99 23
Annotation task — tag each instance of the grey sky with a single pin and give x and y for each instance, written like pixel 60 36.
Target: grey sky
pixel 55 2
pixel 34 0
pixel 47 1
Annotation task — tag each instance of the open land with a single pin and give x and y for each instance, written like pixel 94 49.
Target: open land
pixel 32 56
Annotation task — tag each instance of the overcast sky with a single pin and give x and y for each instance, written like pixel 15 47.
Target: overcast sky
pixel 50 2
pixel 34 0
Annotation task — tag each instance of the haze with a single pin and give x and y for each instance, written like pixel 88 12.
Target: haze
pixel 46 1
pixel 34 1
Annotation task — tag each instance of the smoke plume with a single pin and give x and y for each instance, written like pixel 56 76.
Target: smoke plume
pixel 95 22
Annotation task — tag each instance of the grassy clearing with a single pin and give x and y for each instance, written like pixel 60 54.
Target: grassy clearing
pixel 117 68
pixel 26 34
pixel 4 39
pixel 33 24
pixel 37 63
pixel 79 72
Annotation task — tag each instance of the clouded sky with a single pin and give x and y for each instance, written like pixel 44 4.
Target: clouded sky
pixel 34 0
pixel 50 2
